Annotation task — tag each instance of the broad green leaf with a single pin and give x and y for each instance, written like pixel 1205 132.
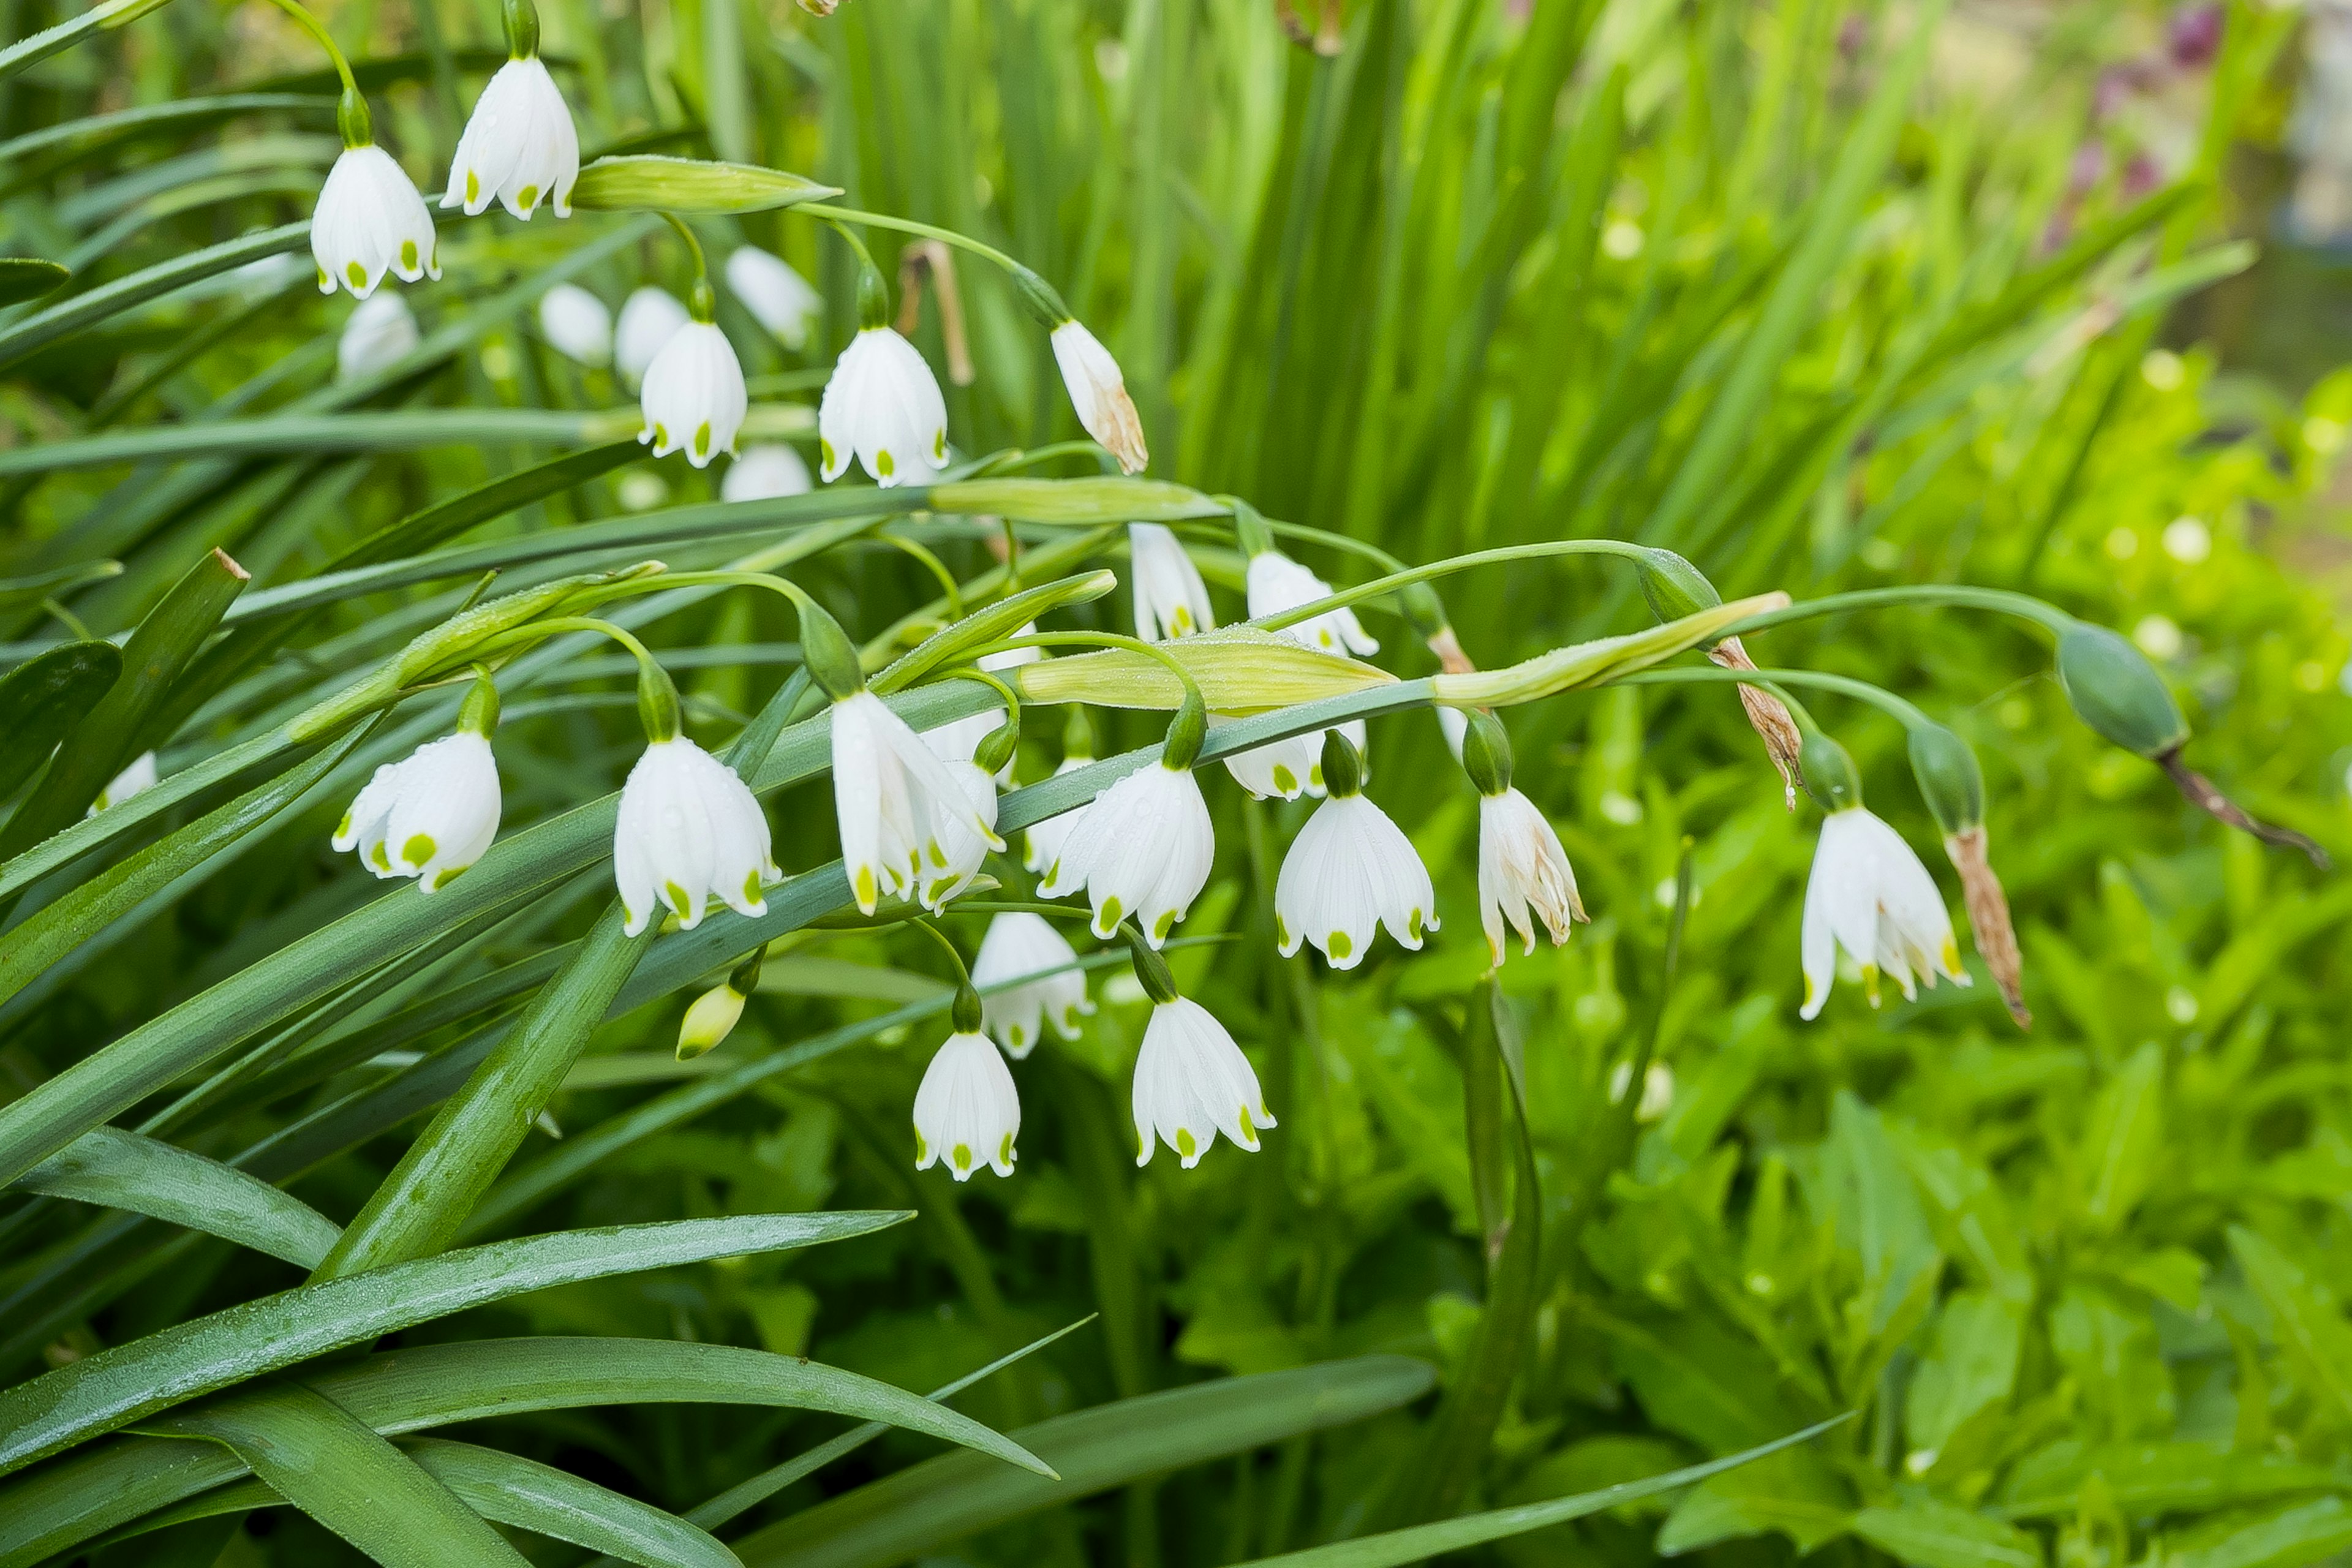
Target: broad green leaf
pixel 2150 1478
pixel 24 277
pixel 942 1500
pixel 119 1385
pixel 124 1171
pixel 2285 1537
pixel 997 622
pixel 1693 1378
pixel 44 697
pixel 1238 670
pixel 647 182
pixel 1971 1367
pixel 1793 1492
pixel 2123 1140
pixel 1930 1534
pixel 336 1469
pixel 2308 1323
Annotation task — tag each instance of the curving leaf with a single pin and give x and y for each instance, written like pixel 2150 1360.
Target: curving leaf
pixel 650 182
pixel 42 698
pixel 24 277
pixel 124 1171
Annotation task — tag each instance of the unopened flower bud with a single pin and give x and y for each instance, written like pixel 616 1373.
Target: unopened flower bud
pixel 2117 692
pixel 994 753
pixel 1485 752
pixel 1150 969
pixel 1949 778
pixel 1343 770
pixel 1829 773
pixel 1674 588
pixel 1186 730
pixel 709 1020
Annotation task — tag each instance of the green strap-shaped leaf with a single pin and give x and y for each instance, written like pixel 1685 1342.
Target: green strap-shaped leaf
pixel 38 330
pixel 118 1386
pixel 943 1499
pixel 82 1494
pixel 124 1171
pixel 648 181
pixel 42 698
pixel 24 277
pixel 180 111
pixel 336 1469
pixel 385 430
pixel 32 590
pixel 439 524
pixel 107 13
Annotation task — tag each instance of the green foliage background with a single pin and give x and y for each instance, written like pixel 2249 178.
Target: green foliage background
pixel 1766 284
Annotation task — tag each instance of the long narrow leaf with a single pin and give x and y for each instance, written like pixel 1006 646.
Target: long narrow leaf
pixel 124 1171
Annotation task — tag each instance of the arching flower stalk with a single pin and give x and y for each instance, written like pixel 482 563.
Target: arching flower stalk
pixel 435 813
pixel 1351 871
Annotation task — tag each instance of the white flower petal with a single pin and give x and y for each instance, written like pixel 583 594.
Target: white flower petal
pixel 968 1111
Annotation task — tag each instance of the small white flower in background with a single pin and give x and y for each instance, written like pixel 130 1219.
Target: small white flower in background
pixel 895 800
pixel 1018 944
pixel 1870 895
pixel 967 1111
pixel 765 472
pixel 778 298
pixel 1351 871
pixel 1657 1090
pixel 954 855
pixel 690 836
pixel 1170 600
pixel 1521 866
pixel 430 814
pixel 379 332
pixel 137 777
pixel 694 399
pixel 958 739
pixel 520 147
pixel 1049 838
pixel 883 407
pixel 369 220
pixel 649 316
pixel 1276 584
pixel 579 324
pixel 1192 1082
pixel 1280 770
pixel 1098 392
pixel 1142 849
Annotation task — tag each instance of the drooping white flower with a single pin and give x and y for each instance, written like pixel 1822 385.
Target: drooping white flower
pixel 1279 770
pixel 765 472
pixel 520 147
pixel 958 739
pixel 954 855
pixel 580 326
pixel 883 407
pixel 1047 838
pixel 138 776
pixel 895 800
pixel 369 220
pixel 648 317
pixel 1869 894
pixel 694 399
pixel 1276 584
pixel 1170 600
pixel 1098 392
pixel 379 330
pixel 1144 849
pixel 690 836
pixel 967 1111
pixel 430 814
pixel 1192 1082
pixel 1020 945
pixel 779 297
pixel 1351 871
pixel 1521 866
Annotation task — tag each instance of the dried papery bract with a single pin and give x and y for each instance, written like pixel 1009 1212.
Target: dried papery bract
pixel 1675 588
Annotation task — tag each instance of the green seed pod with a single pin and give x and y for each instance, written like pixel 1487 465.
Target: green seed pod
pixel 1343 771
pixel 1185 732
pixel 657 706
pixel 996 749
pixel 701 304
pixel 831 657
pixel 709 1020
pixel 1043 299
pixel 352 118
pixel 2117 692
pixel 522 29
pixel 872 297
pixel 1949 778
pixel 1674 588
pixel 1830 776
pixel 1485 752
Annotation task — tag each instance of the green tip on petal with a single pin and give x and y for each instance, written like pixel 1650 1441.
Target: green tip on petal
pixel 1340 946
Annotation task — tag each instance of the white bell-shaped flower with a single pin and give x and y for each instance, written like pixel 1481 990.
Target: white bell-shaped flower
pixel 694 399
pixel 1047 838
pixel 1192 1082
pixel 1521 866
pixel 1026 948
pixel 1869 894
pixel 430 814
pixel 137 777
pixel 779 297
pixel 1098 392
pixel 956 853
pixel 958 739
pixel 369 220
pixel 1276 584
pixel 883 407
pixel 1144 849
pixel 380 330
pixel 1170 600
pixel 690 836
pixel 580 326
pixel 519 149
pixel 967 1111
pixel 1351 871
pixel 767 471
pixel 649 318
pixel 1279 770
pixel 897 803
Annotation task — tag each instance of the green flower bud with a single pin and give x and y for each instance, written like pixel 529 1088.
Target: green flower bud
pixel 830 656
pixel 701 304
pixel 963 1013
pixel 709 1020
pixel 1043 299
pixel 1343 771
pixel 872 297
pixel 1829 772
pixel 1485 752
pixel 1424 610
pixel 997 747
pixel 1674 588
pixel 1949 778
pixel 2117 692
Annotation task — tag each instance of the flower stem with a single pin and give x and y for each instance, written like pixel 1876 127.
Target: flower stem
pixel 318 31
pixel 2000 600
pixel 1771 680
